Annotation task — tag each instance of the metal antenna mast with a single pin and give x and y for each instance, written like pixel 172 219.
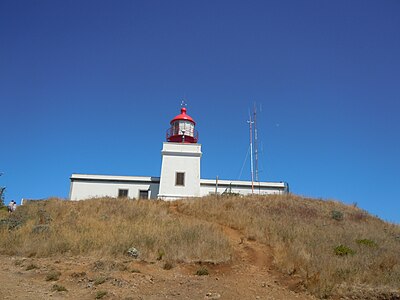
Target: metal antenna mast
pixel 255 142
pixel 251 154
pixel 2 189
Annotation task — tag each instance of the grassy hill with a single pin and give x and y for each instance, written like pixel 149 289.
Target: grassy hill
pixel 330 248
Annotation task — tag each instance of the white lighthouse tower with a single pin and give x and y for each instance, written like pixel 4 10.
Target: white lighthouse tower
pixel 180 169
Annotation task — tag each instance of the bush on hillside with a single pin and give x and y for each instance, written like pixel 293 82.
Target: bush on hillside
pixel 343 250
pixel 202 271
pixel 367 242
pixel 337 215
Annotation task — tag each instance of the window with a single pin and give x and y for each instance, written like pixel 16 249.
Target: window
pixel 122 193
pixel 180 178
pixel 176 128
pixel 143 194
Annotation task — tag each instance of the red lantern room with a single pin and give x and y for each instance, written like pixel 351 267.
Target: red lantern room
pixel 182 129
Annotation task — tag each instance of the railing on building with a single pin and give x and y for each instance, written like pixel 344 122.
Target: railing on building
pixel 173 134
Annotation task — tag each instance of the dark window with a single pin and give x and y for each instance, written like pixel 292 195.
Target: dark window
pixel 180 179
pixel 143 194
pixel 176 128
pixel 122 193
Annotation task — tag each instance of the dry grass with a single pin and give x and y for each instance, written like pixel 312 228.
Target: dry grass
pixel 304 233
pixel 109 227
pixel 334 248
pixel 3 212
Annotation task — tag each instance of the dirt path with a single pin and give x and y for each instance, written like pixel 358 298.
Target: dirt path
pixel 252 267
pixel 250 275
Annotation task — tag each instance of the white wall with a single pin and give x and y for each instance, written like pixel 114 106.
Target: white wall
pixel 208 186
pixel 85 186
pixel 108 186
pixel 207 190
pixel 179 157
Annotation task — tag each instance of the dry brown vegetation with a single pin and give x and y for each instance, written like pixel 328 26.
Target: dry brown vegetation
pixel 304 233
pixel 109 227
pixel 335 249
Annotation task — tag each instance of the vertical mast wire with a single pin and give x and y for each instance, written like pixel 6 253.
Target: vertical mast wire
pixel 244 162
pixel 255 143
pixel 251 153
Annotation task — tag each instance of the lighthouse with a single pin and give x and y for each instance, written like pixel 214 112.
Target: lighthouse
pixel 180 173
pixel 181 154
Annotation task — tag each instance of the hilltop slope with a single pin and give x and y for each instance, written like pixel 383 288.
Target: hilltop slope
pixel 275 247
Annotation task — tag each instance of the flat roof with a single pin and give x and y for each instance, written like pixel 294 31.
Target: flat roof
pixel 224 182
pixel 90 177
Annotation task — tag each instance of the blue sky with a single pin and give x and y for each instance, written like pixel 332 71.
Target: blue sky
pixel 90 87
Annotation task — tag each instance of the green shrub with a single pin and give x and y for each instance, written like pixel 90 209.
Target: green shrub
pixel 100 294
pixel 58 288
pixel 53 276
pixel 337 215
pixel 202 271
pixel 343 250
pixel 100 280
pixel 367 242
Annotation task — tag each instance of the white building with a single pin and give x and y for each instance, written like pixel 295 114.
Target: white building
pixel 180 174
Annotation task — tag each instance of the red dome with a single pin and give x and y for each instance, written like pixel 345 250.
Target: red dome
pixel 183 116
pixel 182 129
